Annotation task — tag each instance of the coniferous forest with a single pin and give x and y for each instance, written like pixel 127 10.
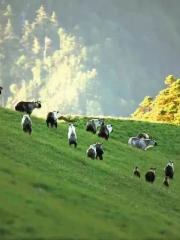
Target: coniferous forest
pixel 88 57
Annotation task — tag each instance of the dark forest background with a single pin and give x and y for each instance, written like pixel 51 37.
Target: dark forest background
pixel 87 57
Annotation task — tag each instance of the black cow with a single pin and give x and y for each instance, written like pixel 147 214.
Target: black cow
pixel 52 118
pixel 27 107
pixel 150 175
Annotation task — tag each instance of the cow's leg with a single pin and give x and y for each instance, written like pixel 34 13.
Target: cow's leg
pixel 101 157
pixel 51 124
pixel 55 124
pixel 75 145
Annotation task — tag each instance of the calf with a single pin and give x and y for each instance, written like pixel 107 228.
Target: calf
pixel 105 131
pixel 92 125
pixel 136 172
pixel 26 124
pixel 166 182
pixel 72 138
pixel 52 118
pixel 143 144
pixel 27 107
pixel 169 170
pixel 150 175
pixel 1 90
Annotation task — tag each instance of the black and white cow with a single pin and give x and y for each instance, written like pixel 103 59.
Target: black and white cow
pixel 26 124
pixel 95 151
pixel 1 90
pixel 91 152
pixel 27 107
pixel 105 131
pixel 72 138
pixel 169 170
pixel 52 118
pixel 93 124
pixel 150 175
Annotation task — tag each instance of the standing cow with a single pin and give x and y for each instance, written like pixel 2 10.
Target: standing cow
pixel 95 151
pixel 91 152
pixel 93 124
pixel 105 131
pixel 169 170
pixel 72 138
pixel 52 118
pixel 26 124
pixel 27 107
pixel 150 175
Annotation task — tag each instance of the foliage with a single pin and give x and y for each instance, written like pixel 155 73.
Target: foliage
pixel 165 107
pixel 78 37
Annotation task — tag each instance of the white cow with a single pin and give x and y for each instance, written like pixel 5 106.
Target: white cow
pixel 72 135
pixel 143 144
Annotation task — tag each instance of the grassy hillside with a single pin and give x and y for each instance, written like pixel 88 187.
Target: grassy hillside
pixel 49 190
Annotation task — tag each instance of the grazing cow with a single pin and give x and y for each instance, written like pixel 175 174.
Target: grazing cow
pixel 136 172
pixel 52 118
pixel 95 151
pixel 92 125
pixel 143 144
pixel 143 135
pixel 91 152
pixel 105 131
pixel 72 135
pixel 169 170
pixel 27 107
pixel 150 175
pixel 1 90
pixel 26 124
pixel 166 182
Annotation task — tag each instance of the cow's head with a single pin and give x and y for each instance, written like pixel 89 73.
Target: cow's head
pixel 109 128
pixel 98 145
pixel 152 142
pixel 171 164
pixel 38 104
pixel 152 169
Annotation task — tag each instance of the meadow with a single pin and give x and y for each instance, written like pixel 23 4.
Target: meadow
pixel 49 190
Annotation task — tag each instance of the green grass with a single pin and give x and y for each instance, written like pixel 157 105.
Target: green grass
pixel 49 190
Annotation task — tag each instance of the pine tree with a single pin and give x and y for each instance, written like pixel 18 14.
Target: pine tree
pixel 8 31
pixel 36 47
pixel 41 15
pixel 8 12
